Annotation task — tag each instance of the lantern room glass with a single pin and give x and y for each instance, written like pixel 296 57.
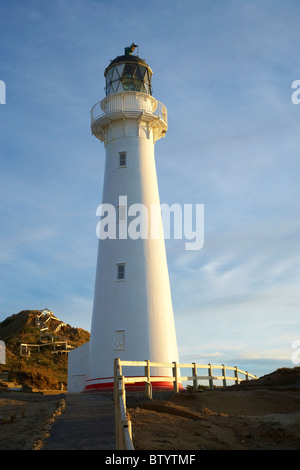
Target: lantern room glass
pixel 128 77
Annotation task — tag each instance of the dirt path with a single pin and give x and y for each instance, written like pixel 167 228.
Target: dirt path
pixel 88 423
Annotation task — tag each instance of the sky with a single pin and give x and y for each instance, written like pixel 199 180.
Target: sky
pixel 224 70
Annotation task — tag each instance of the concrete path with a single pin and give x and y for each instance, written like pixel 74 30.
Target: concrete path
pixel 87 423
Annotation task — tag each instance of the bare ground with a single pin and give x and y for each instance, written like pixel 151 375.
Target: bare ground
pixel 26 419
pixel 261 416
pixel 211 420
pixel 228 419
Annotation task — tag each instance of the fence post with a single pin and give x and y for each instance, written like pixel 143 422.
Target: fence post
pixel 117 374
pixel 194 373
pixel 130 429
pixel 211 383
pixel 115 379
pixel 148 388
pixel 117 407
pixel 175 375
pixel 224 375
pixel 121 414
pixel 236 374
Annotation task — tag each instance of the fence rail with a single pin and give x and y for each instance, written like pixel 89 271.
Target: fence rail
pixel 123 423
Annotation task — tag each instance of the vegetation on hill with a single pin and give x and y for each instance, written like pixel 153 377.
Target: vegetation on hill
pixel 42 369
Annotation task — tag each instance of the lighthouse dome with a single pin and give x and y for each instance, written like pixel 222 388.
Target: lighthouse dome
pixel 128 73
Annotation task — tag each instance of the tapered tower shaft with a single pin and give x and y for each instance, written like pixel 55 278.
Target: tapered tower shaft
pixel 132 312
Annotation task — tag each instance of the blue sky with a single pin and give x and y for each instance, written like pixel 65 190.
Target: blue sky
pixel 224 70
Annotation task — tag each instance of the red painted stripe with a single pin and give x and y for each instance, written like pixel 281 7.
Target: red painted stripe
pixel 137 386
pixel 99 378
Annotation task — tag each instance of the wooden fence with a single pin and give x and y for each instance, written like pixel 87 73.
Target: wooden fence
pixel 123 423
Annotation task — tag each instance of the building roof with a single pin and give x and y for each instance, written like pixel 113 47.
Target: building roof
pixel 126 58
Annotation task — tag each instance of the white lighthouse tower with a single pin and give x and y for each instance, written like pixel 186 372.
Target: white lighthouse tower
pixel 132 312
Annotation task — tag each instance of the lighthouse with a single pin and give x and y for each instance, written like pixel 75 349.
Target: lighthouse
pixel 132 315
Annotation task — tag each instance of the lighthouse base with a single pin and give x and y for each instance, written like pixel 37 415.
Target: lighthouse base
pixel 78 377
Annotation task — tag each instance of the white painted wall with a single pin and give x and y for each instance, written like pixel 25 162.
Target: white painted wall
pixel 141 305
pixel 77 368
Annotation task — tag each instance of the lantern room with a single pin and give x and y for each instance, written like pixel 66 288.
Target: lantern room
pixel 128 73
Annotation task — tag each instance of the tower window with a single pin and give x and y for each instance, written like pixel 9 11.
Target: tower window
pixel 122 159
pixel 119 340
pixel 121 214
pixel 121 272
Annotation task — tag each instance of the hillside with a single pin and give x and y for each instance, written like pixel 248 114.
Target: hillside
pixel 41 362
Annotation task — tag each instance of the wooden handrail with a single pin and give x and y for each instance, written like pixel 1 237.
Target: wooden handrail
pixel 123 432
pixel 194 377
pixel 123 424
